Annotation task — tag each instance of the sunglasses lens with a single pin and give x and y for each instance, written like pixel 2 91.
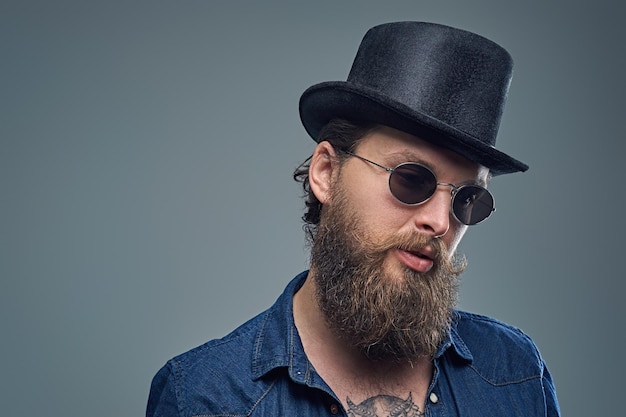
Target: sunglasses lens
pixel 472 204
pixel 412 183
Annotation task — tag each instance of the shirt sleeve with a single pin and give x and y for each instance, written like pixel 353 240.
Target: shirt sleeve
pixel 552 404
pixel 163 401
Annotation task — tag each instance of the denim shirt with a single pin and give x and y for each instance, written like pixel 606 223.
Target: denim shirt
pixel 484 368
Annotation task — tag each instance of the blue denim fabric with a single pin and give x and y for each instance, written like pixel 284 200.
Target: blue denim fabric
pixel 485 369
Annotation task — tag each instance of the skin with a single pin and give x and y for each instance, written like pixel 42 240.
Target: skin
pixel 368 184
pixel 347 372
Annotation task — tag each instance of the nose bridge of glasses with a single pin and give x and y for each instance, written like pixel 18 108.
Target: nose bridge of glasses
pixel 453 188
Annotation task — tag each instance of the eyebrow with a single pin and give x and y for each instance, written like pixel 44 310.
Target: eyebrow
pixel 400 157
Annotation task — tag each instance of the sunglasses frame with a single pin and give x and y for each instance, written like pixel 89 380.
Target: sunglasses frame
pixel 454 190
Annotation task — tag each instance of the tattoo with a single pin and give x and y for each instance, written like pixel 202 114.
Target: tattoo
pixel 384 406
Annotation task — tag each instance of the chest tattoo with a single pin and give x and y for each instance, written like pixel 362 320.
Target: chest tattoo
pixel 384 406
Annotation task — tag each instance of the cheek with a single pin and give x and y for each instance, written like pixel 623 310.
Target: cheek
pixel 370 200
pixel 379 210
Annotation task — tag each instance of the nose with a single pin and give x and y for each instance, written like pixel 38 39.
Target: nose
pixel 433 216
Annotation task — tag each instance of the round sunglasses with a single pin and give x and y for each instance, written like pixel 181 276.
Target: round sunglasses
pixel 412 183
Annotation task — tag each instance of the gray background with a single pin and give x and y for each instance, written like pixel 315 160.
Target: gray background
pixel 147 203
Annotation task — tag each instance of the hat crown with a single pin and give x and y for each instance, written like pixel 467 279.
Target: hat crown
pixel 451 75
pixel 442 84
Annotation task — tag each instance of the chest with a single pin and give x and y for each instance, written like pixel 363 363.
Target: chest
pixel 462 398
pixel 400 392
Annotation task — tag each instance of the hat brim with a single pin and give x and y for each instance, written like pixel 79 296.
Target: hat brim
pixel 340 99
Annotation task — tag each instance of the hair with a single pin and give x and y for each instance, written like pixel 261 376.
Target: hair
pixel 344 136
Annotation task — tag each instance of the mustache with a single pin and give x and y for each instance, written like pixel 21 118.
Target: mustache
pixel 409 242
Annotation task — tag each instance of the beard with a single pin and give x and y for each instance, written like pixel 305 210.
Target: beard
pixel 388 314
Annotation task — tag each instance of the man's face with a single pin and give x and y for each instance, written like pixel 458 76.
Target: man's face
pixel 384 271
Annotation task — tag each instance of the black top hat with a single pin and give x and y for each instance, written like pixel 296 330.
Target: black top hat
pixel 445 85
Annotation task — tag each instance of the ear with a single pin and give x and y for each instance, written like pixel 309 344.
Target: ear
pixel 322 171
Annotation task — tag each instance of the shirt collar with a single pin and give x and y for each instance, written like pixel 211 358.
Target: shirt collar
pixel 454 342
pixel 278 343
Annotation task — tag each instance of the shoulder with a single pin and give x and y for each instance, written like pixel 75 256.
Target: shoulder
pixel 227 376
pixel 214 360
pixel 499 351
pixel 206 379
pixel 477 329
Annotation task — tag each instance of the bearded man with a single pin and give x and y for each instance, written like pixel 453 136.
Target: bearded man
pixel 405 153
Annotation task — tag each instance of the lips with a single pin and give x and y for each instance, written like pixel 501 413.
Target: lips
pixel 425 252
pixel 418 260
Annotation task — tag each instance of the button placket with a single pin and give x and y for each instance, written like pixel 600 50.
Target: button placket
pixel 433 398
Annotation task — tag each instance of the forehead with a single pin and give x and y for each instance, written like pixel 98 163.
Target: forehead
pixel 393 147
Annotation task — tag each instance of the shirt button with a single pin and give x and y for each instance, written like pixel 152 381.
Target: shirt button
pixel 334 409
pixel 433 398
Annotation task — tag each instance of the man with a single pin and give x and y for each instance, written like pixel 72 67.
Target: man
pixel 405 152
